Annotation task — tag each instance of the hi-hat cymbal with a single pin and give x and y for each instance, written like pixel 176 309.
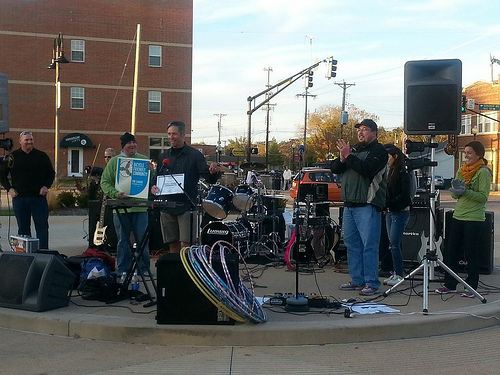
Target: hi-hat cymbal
pixel 253 166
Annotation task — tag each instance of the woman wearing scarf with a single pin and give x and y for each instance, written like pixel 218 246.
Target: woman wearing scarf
pixel 471 187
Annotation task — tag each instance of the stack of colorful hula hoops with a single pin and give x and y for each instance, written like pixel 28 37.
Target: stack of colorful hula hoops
pixel 236 301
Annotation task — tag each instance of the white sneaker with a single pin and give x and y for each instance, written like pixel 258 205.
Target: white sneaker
pixel 393 274
pixel 396 279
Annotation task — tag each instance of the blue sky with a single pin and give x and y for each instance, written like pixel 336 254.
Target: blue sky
pixel 235 40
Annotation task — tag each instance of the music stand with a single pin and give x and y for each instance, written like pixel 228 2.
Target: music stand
pixel 136 256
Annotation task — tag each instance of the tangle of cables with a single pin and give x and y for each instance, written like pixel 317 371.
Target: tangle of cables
pixel 236 301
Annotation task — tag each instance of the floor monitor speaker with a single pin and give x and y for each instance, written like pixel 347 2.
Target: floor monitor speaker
pixel 35 282
pixel 485 244
pixel 432 97
pixel 179 299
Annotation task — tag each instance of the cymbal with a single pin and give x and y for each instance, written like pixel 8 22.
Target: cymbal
pixel 253 166
pixel 223 168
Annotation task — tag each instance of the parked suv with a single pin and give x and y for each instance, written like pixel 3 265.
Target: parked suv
pixel 317 175
pixel 438 182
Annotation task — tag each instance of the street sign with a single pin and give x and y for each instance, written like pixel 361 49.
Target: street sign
pixel 238 153
pixel 489 107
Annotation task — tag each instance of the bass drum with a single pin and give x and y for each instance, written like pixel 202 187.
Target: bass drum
pixel 218 202
pixel 237 233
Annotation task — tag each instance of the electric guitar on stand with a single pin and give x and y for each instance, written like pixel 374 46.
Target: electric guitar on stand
pixel 100 230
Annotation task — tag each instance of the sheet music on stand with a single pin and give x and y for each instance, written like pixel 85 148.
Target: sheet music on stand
pixel 170 184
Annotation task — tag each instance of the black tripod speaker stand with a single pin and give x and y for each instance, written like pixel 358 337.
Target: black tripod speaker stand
pixel 431 258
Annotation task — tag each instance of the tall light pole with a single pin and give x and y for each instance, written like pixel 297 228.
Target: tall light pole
pixel 57 58
pixel 219 125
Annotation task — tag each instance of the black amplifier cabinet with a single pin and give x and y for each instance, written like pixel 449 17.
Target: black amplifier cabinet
pixel 179 299
pixel 485 244
pixel 416 234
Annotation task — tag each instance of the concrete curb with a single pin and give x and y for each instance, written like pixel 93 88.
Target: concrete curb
pixel 361 328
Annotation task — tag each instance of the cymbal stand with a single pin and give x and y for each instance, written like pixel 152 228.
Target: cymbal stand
pixel 260 244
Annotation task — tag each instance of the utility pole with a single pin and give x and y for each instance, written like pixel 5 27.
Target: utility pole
pixel 267 109
pixel 219 123
pixel 343 115
pixel 306 95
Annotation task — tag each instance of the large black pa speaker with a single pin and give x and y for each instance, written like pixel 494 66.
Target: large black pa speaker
pixel 432 97
pixel 180 301
pixel 416 234
pixel 4 104
pixel 35 282
pixel 484 247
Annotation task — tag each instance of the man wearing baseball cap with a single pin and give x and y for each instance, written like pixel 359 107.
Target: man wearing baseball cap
pixel 363 169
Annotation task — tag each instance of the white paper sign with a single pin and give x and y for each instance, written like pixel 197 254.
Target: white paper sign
pixel 169 184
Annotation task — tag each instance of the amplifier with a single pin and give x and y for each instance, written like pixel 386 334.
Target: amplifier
pixel 179 299
pixel 24 244
pixel 422 198
pixel 415 241
pixel 485 244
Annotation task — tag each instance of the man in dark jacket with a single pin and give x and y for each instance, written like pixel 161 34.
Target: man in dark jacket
pixel 184 165
pixel 364 186
pixel 27 177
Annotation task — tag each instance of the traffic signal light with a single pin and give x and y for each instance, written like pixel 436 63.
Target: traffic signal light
pixel 309 79
pixel 254 151
pixel 464 104
pixel 332 68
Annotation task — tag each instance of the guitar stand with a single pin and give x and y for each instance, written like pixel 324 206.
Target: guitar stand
pixel 137 254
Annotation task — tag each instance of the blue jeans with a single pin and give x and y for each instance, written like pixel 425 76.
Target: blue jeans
pixel 36 207
pixel 362 238
pixel 396 223
pixel 136 223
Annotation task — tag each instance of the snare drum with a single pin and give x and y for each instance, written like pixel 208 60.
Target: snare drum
pixel 235 232
pixel 218 201
pixel 244 198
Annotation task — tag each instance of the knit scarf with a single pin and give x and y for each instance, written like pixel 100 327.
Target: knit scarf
pixel 468 171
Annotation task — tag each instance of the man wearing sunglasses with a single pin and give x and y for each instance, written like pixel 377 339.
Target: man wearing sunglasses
pixel 27 177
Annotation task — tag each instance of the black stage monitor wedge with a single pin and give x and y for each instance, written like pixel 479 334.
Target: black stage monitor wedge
pixel 432 97
pixel 179 299
pixel 34 282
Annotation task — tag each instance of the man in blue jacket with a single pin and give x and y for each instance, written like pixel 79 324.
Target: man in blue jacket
pixel 363 168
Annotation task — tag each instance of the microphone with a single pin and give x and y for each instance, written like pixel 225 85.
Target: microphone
pixel 165 164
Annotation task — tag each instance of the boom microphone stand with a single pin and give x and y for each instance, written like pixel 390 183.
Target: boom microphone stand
pixel 430 258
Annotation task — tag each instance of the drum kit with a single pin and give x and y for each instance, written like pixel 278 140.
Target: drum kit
pixel 258 227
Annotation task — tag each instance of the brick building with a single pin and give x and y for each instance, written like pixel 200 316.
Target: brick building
pixel 96 88
pixel 482 125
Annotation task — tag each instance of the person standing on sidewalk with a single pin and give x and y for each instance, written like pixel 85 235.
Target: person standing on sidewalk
pixel 287 178
pixel 28 176
pixel 471 188
pixel 364 170
pixel 398 203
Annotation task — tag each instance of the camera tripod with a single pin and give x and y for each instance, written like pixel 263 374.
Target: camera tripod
pixel 431 258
